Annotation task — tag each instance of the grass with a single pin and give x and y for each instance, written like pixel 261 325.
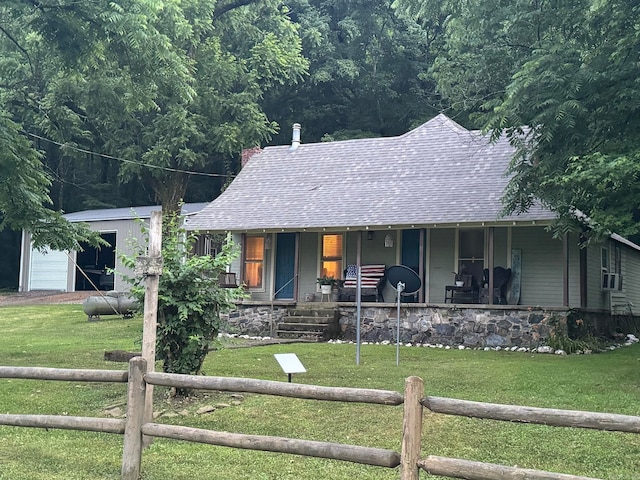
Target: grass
pixel 60 336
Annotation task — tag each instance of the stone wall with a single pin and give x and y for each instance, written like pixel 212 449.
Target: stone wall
pixel 471 327
pixel 478 326
pixel 258 320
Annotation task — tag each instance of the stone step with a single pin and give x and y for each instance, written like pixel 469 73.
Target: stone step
pixel 309 320
pixel 310 327
pixel 303 335
pixel 312 312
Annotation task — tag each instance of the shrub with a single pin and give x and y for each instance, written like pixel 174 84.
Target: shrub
pixel 190 298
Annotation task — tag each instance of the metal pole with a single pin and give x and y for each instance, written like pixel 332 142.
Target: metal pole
pixel 400 289
pixel 358 290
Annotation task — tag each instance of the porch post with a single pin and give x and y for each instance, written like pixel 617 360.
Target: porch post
pixel 583 275
pixel 490 266
pixel 421 296
pixel 565 270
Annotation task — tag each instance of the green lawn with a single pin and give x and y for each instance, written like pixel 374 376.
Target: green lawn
pixel 60 336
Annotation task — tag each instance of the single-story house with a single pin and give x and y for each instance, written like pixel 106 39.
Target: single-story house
pixel 429 200
pixel 91 268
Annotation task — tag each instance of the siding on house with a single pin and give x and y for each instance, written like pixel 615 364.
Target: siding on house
pixel 441 262
pixel 541 278
pixel 502 254
pixel 623 301
pixel 631 282
pixel 574 271
pixel 309 245
pixel 126 231
pixel 596 297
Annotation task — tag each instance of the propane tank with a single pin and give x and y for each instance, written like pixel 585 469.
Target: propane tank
pixel 112 303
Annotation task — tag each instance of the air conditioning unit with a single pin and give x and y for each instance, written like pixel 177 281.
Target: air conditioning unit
pixel 611 281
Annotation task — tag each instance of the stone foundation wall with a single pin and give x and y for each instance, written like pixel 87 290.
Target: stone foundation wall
pixel 258 320
pixel 472 327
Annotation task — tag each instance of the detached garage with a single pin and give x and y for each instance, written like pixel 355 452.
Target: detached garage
pixel 90 269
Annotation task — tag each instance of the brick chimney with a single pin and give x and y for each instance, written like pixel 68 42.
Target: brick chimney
pixel 247 153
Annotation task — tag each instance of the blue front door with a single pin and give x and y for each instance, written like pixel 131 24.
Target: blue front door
pixel 285 265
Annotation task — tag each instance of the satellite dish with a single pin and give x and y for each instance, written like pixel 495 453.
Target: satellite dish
pixel 409 279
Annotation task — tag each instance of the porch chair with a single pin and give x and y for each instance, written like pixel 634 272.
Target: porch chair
pixel 501 277
pixel 372 283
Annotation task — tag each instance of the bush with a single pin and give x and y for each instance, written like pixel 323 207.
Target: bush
pixel 190 298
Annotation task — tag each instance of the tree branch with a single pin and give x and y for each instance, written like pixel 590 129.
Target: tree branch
pixel 218 12
pixel 15 42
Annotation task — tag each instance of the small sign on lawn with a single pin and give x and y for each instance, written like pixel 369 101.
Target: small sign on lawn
pixel 290 363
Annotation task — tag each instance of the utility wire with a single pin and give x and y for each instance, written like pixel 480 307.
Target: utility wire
pixel 124 160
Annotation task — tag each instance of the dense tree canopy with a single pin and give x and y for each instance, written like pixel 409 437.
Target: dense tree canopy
pixel 570 73
pixel 117 100
pixel 366 75
pixel 142 90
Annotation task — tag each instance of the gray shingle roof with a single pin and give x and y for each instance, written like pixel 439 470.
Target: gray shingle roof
pixel 439 173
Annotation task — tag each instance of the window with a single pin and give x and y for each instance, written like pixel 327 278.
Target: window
pixel 331 261
pixel 471 253
pixel 617 259
pixel 604 259
pixel 253 262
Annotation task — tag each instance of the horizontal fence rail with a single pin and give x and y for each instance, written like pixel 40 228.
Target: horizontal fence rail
pixel 87 424
pixel 336 451
pixel 542 416
pixel 409 460
pixel 65 374
pixel 457 468
pixel 282 389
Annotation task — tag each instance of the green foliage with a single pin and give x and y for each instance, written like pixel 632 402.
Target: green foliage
pixel 161 87
pixel 24 195
pixel 190 298
pixel 364 73
pixel 568 72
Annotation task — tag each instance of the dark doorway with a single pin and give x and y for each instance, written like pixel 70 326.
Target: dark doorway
pixel 411 255
pixel 94 266
pixel 10 263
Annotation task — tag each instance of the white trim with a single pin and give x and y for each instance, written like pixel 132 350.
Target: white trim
pixel 624 241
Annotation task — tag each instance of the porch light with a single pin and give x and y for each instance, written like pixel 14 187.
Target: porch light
pixel 388 241
pixel 227 280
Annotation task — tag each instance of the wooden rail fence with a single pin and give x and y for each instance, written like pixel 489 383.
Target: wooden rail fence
pixel 135 427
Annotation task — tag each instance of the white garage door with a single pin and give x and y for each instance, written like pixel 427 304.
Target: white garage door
pixel 48 271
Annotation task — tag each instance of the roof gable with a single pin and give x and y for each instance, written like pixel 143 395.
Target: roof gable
pixel 437 173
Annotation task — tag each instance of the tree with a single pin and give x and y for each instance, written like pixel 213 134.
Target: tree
pixel 24 195
pixel 190 298
pixel 161 87
pixel 365 74
pixel 560 80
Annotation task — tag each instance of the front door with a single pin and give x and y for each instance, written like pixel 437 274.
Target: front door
pixel 285 265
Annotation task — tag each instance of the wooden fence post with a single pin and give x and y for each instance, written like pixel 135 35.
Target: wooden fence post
pixel 411 428
pixel 152 268
pixel 136 393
